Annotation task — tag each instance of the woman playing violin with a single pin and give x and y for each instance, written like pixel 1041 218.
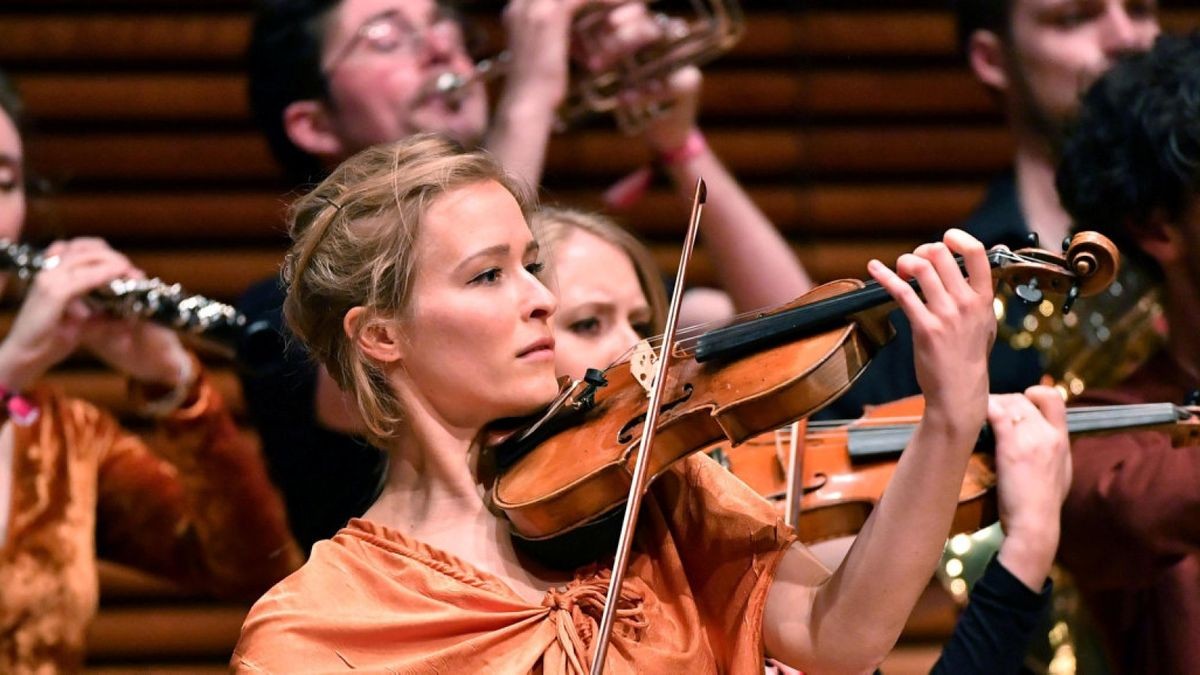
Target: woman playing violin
pixel 415 279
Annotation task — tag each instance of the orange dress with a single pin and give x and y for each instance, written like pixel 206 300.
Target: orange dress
pixel 372 599
pixel 82 486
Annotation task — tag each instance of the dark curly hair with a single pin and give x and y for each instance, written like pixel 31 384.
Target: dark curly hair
pixel 1135 149
pixel 284 66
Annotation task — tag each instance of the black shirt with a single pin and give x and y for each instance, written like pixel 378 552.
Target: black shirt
pixel 891 374
pixel 326 477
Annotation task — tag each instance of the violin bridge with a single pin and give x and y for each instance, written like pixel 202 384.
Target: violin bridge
pixel 643 364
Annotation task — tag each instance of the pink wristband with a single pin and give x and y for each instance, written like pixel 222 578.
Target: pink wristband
pixel 692 147
pixel 21 410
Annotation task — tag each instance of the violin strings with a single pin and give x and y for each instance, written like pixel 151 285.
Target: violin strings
pixel 830 428
pixel 689 336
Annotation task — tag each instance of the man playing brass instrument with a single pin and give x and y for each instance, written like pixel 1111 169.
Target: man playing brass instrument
pixel 330 77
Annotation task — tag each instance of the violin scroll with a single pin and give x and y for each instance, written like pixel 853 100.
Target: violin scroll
pixel 1088 266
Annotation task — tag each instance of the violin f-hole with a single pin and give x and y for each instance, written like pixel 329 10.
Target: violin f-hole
pixel 626 434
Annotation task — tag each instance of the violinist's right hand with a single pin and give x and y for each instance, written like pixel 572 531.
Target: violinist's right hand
pixel 51 321
pixel 953 326
pixel 1033 471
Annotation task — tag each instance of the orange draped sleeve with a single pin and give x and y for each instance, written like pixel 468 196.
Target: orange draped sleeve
pixel 693 599
pixel 209 518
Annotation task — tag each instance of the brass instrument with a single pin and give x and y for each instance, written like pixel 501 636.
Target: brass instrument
pixel 715 29
pixel 1102 341
pixel 215 324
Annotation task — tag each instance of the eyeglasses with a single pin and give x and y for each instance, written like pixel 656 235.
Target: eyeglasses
pixel 390 33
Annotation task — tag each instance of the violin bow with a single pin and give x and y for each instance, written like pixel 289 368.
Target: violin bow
pixel 633 505
pixel 795 473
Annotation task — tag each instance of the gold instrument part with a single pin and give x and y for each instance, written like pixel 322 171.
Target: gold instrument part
pixel 715 28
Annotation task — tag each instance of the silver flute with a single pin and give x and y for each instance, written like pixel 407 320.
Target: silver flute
pixel 214 323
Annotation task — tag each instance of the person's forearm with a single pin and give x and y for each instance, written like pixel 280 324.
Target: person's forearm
pixel 19 368
pixel 520 133
pixel 1030 557
pixel 864 605
pixel 757 267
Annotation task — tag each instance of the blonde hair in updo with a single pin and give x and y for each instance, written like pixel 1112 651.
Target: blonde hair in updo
pixel 353 245
pixel 553 224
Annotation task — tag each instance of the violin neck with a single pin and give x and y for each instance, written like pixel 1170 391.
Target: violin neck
pixel 804 321
pixel 878 442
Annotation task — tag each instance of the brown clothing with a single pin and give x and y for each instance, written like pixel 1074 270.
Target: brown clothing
pixel 692 601
pixel 1131 531
pixel 83 486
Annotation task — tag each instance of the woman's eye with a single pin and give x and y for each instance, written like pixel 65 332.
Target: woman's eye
pixel 644 330
pixel 536 268
pixel 489 276
pixel 588 326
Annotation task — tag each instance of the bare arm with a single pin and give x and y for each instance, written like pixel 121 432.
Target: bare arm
pixel 850 621
pixel 757 267
pixel 538 35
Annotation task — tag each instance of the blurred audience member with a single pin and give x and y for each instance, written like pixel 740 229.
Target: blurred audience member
pixel 75 486
pixel 1131 524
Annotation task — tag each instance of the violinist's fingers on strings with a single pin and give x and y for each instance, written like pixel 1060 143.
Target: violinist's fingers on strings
pixel 936 297
pixel 947 268
pixel 1049 402
pixel 904 295
pixel 979 272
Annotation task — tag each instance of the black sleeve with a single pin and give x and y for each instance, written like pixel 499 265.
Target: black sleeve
pixel 994 631
pixel 325 477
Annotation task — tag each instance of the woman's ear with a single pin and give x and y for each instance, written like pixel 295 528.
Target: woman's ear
pixel 379 340
pixel 310 127
pixel 988 59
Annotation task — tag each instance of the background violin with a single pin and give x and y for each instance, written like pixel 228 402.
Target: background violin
pixel 848 464
pixel 573 465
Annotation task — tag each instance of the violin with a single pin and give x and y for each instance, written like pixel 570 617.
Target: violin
pixel 562 478
pixel 848 464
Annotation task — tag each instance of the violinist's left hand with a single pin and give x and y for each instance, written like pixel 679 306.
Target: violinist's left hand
pixel 849 622
pixel 953 326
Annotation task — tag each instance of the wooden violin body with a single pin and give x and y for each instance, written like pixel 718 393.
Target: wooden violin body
pixel 839 489
pixel 543 495
pixel 848 466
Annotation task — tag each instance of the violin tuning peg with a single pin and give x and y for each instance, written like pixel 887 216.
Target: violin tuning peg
pixel 1066 243
pixel 1072 296
pixel 1032 240
pixel 1029 293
